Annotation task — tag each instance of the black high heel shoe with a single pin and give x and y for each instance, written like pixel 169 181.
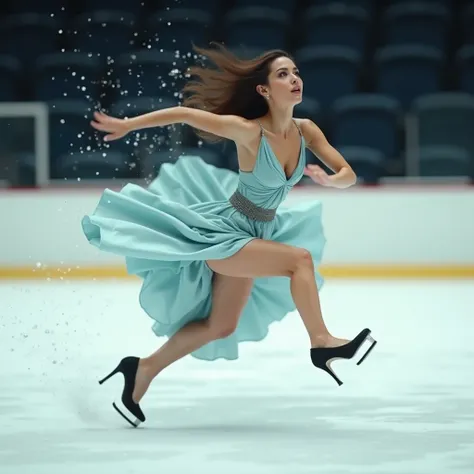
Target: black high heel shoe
pixel 322 357
pixel 128 367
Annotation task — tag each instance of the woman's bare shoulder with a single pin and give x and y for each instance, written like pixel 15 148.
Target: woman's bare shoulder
pixel 304 122
pixel 252 133
pixel 309 128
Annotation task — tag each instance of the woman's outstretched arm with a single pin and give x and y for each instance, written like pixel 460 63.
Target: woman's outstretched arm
pixel 231 127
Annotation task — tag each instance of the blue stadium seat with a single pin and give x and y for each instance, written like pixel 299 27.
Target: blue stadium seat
pixel 210 156
pixel 15 137
pixel 135 7
pixel 225 150
pixel 245 52
pixel 26 169
pixel 264 28
pixel 69 129
pixel 104 33
pixel 437 2
pixel 465 68
pixel 153 161
pixel 284 5
pixel 368 163
pixel 336 25
pixel 408 71
pixel 10 71
pixel 328 72
pixel 367 120
pixel 417 23
pixel 443 161
pixel 67 76
pixel 91 165
pixel 148 74
pixel 178 28
pixel 368 5
pixel 467 24
pixel 446 119
pixel 27 36
pixel 211 6
pixel 56 7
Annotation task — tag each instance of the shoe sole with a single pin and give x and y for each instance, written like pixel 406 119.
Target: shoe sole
pixel 122 410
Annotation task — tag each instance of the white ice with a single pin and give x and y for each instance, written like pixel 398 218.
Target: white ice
pixel 408 409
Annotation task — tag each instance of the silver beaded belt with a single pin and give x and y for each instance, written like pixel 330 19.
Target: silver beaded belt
pixel 251 210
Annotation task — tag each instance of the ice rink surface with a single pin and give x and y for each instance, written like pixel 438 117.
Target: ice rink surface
pixel 408 409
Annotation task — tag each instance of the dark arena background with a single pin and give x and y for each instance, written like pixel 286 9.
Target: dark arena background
pixel 391 84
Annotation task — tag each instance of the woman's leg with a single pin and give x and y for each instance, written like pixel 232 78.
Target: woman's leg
pixel 229 296
pixel 233 280
pixel 261 258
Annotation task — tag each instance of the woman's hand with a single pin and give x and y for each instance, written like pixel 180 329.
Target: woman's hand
pixel 318 175
pixel 114 127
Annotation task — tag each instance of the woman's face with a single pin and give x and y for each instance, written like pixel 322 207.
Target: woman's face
pixel 285 86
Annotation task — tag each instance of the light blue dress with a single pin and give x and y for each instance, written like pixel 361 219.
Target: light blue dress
pixel 168 231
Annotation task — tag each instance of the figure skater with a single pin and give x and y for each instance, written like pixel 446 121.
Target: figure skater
pixel 220 260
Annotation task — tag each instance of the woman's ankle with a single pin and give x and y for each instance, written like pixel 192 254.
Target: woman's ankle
pixel 327 340
pixel 150 367
pixel 320 340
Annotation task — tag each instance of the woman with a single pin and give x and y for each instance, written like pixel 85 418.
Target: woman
pixel 220 260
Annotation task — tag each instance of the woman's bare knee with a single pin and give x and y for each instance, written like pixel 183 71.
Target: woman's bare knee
pixel 222 329
pixel 303 259
pixel 262 258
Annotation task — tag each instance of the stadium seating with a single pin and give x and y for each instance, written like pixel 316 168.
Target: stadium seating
pixel 445 119
pixel 67 76
pixel 368 163
pixel 259 27
pixel 328 72
pixel 408 71
pixel 424 23
pixel 10 73
pixel 177 28
pixel 367 120
pixel 340 25
pixel 366 65
pixel 442 161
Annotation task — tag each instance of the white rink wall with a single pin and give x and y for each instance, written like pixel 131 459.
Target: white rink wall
pixel 379 227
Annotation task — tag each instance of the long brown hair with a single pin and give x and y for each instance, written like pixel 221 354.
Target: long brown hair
pixel 229 89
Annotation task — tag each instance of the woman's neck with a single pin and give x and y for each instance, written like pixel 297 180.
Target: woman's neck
pixel 280 121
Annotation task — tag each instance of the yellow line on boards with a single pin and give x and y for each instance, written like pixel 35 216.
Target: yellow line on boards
pixel 328 271
pixel 398 271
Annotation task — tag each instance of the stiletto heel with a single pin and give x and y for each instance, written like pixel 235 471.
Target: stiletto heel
pixel 322 357
pixel 128 367
pixel 115 371
pixel 327 368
